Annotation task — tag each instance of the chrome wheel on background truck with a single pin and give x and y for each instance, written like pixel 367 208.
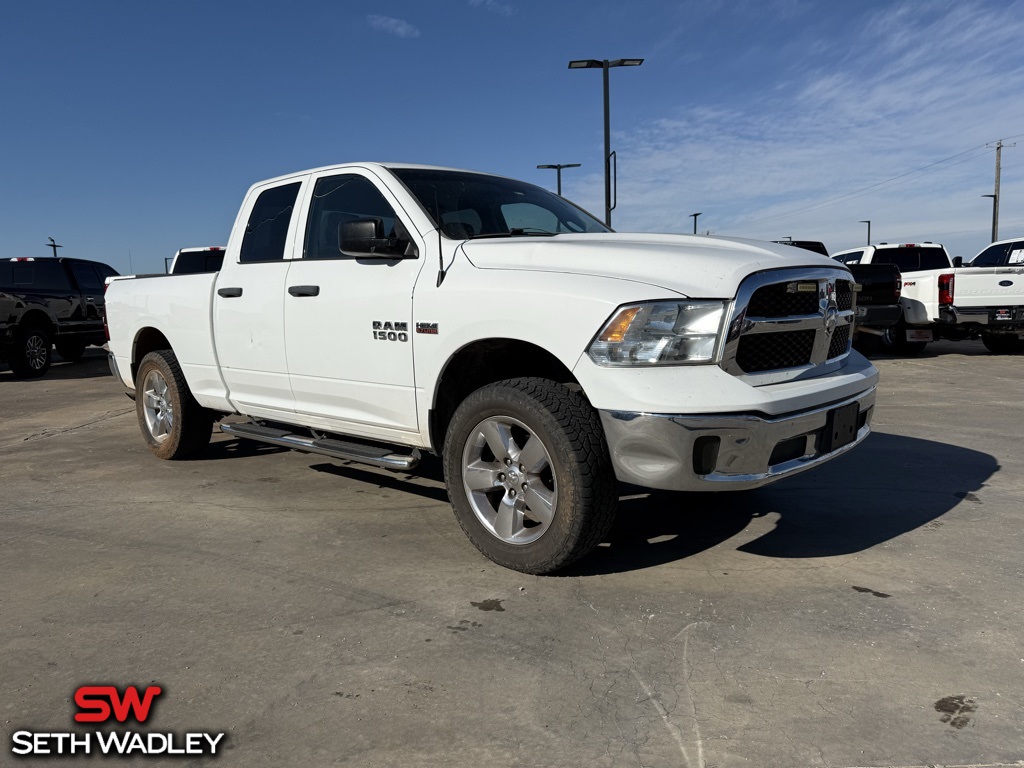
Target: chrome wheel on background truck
pixel 31 355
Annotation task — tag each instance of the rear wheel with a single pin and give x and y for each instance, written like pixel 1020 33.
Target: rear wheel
pixel 895 341
pixel 71 351
pixel 999 344
pixel 174 425
pixel 529 475
pixel 31 355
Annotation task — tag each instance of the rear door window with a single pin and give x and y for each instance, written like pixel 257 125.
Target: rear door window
pixel 266 234
pixel 912 259
pixel 88 279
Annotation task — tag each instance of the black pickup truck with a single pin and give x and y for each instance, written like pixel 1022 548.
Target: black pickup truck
pixel 878 301
pixel 47 302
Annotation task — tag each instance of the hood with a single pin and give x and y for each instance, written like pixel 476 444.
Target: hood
pixel 697 266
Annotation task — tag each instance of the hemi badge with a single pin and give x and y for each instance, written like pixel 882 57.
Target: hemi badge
pixel 429 328
pixel 802 288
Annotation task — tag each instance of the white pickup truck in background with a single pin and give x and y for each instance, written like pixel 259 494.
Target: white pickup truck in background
pixel 941 299
pixel 370 312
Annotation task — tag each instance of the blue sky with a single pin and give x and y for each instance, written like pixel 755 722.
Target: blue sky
pixel 137 127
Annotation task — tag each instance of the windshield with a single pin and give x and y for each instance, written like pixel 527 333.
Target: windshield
pixel 467 205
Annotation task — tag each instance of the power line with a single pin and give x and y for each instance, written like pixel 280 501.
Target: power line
pixel 878 186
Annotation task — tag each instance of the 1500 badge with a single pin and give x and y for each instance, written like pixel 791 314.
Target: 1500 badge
pixel 388 331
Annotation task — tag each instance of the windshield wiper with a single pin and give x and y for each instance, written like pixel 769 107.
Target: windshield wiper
pixel 515 232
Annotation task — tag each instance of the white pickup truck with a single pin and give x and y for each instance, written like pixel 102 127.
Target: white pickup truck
pixel 941 299
pixel 370 312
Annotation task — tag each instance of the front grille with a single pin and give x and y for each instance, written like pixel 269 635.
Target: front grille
pixel 768 351
pixel 786 321
pixel 779 300
pixel 844 295
pixel 840 343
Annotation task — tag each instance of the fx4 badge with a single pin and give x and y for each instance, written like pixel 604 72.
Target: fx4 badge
pixel 389 331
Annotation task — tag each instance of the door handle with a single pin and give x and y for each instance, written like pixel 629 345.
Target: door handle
pixel 304 290
pixel 229 293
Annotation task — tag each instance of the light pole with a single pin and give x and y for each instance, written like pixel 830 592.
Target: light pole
pixel 53 244
pixel 868 222
pixel 558 167
pixel 694 217
pixel 605 65
pixel 995 216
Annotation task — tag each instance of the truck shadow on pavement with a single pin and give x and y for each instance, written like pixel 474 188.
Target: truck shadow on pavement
pixel 887 487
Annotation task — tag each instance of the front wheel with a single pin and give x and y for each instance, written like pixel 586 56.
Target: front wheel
pixel 174 425
pixel 71 351
pixel 529 475
pixel 999 344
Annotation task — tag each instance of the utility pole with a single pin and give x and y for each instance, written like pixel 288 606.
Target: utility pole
pixel 53 244
pixel 868 222
pixel 695 215
pixel 995 197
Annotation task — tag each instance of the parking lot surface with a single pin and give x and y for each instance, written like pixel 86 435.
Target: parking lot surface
pixel 321 613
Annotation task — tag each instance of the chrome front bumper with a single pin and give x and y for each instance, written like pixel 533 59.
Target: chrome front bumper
pixel 725 452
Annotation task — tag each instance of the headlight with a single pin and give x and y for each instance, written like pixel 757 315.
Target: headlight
pixel 660 333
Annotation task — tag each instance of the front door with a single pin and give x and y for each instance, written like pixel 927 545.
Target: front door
pixel 348 318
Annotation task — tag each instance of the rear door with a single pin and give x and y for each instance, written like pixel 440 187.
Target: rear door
pixel 248 302
pixel 90 283
pixel 348 318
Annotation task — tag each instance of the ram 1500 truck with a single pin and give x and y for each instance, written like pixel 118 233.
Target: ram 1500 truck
pixel 370 312
pixel 943 300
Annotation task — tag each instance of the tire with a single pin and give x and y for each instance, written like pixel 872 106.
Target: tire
pixel 1001 345
pixel 173 424
pixel 71 351
pixel 895 341
pixel 529 475
pixel 31 355
pixel 867 343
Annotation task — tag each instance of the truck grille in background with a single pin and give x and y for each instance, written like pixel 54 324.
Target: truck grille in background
pixel 790 319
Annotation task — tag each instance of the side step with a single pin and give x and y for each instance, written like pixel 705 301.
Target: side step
pixel 364 453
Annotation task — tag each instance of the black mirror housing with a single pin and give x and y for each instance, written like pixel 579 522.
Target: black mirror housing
pixel 365 237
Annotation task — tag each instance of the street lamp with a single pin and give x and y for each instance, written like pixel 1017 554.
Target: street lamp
pixel 605 65
pixel 868 222
pixel 558 167
pixel 995 216
pixel 694 216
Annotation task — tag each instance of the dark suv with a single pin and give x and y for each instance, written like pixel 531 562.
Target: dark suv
pixel 49 301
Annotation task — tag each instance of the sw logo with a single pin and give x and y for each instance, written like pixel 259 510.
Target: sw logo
pixel 106 703
pixel 98 702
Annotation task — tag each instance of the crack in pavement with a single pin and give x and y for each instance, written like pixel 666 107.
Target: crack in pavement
pixel 65 430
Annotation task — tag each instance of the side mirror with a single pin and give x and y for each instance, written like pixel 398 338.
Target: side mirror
pixel 365 237
pixel 958 261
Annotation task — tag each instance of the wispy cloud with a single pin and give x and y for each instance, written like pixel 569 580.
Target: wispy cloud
pixel 495 6
pixel 912 86
pixel 396 27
